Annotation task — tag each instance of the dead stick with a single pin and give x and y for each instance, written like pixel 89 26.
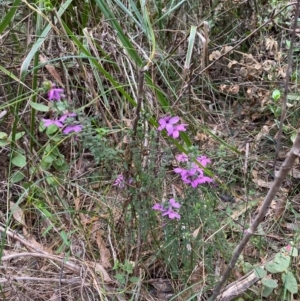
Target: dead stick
pixel 284 170
pixel 286 87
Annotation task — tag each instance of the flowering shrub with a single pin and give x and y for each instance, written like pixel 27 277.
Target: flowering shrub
pixel 191 173
pixel 66 121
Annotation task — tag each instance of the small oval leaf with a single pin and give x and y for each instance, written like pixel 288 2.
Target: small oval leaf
pixel 39 107
pixel 19 161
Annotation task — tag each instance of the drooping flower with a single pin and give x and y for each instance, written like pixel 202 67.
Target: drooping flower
pixel 55 93
pixel 174 204
pixel 182 157
pixel 48 122
pixel 72 128
pixel 203 160
pixel 120 182
pixel 67 115
pixel 158 207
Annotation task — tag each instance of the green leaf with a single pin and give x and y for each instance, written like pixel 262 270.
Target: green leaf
pixel 65 238
pixel 17 177
pixel 19 161
pixel 293 136
pixel 290 282
pixel 276 95
pixel 279 264
pixel 39 107
pixel 3 135
pixel 121 278
pixel 18 136
pixel 3 143
pixel 260 272
pixel 52 129
pixel 48 159
pixel 134 279
pixel 247 267
pixel 271 283
pixel 266 291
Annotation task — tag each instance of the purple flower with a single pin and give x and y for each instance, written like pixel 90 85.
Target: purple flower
pixel 174 130
pixel 182 158
pixel 72 128
pixel 119 181
pixel 192 177
pixel 67 115
pixel 167 122
pixel 174 204
pixel 181 171
pixel 169 210
pixel 48 122
pixel 55 93
pixel 171 214
pixel 204 179
pixel 203 160
pixel 158 207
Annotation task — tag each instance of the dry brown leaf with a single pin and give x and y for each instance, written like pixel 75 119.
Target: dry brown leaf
pixel 243 72
pixel 196 232
pixel 232 63
pixel 101 270
pixel 201 137
pixel 263 132
pixel 35 245
pixel 17 213
pixel 226 49
pixel 105 256
pixel 271 44
pixel 51 70
pixel 234 89
pixel 215 55
pixel 223 88
pixel 260 182
pixel 268 65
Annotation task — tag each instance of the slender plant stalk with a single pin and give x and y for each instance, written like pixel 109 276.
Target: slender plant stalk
pixel 287 165
pixel 286 87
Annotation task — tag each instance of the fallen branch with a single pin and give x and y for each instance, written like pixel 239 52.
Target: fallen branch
pixel 287 165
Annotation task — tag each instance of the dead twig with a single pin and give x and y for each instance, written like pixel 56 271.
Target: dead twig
pixel 287 165
pixel 286 87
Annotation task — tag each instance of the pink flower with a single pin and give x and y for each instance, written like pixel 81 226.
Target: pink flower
pixel 182 158
pixel 55 93
pixel 167 122
pixel 174 204
pixel 169 210
pixel 203 160
pixel 158 207
pixel 67 115
pixel 72 128
pixel 171 214
pixel 48 122
pixel 120 182
pixel 181 171
pixel 174 130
